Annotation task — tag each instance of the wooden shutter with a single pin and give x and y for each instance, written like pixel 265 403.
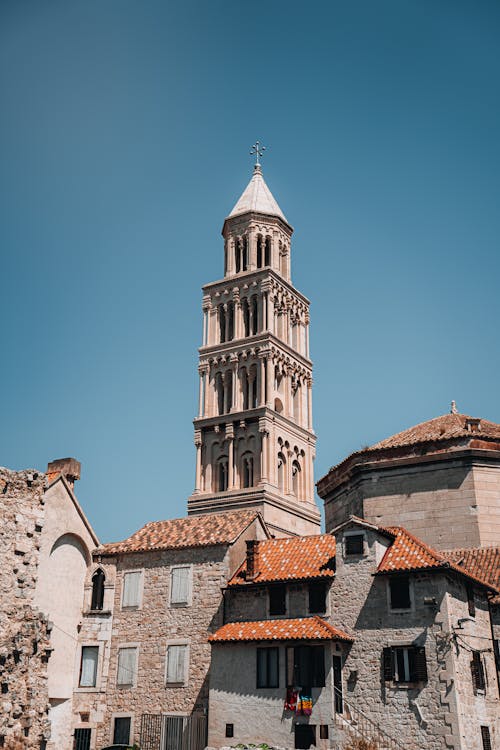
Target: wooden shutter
pixel 126 666
pixel 179 586
pixel 420 664
pixel 485 736
pixel 388 663
pixel 477 671
pixel 131 588
pixel 176 658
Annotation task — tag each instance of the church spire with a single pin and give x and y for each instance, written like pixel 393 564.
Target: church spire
pixel 257 198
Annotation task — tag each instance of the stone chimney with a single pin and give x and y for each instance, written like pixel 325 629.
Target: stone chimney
pixel 69 467
pixel 252 559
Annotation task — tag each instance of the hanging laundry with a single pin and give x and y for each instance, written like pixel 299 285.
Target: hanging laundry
pixel 304 703
pixel 291 699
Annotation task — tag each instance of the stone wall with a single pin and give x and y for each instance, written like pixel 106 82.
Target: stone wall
pixel 448 501
pixel 24 640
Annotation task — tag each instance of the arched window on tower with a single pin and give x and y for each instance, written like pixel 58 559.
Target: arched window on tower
pixel 228 391
pixel 267 259
pixel 244 386
pixel 237 254
pixel 283 261
pixel 244 255
pixel 230 321
pixel 281 472
pixel 219 387
pixel 259 251
pixel 247 472
pixel 255 315
pixel 252 387
pixel 296 478
pixel 222 323
pixel 222 474
pixel 246 316
pixel 97 600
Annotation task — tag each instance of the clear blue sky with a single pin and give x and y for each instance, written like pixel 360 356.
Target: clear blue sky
pixel 124 136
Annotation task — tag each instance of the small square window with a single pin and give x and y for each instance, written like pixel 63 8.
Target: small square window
pixel 277 600
pixel 354 544
pixel 399 589
pixel 229 730
pixel 323 731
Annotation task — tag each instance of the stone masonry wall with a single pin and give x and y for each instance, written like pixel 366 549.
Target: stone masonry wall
pixel 24 640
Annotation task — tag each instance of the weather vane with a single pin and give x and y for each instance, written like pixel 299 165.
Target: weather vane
pixel 257 150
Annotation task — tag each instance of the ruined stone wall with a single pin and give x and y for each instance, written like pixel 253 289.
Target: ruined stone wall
pixel 24 640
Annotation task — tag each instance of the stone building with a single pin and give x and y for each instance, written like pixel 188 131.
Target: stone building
pixel 254 439
pixel 439 479
pixel 366 632
pixel 150 603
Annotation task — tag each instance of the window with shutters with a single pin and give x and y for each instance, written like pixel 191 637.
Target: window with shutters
pixel 180 586
pixel 404 664
pixel 400 593
pixel 88 666
pixel 127 666
pixel 268 667
pixel 132 589
pixel 177 664
pixel 277 600
pixel 477 671
pixel 485 736
pixel 305 666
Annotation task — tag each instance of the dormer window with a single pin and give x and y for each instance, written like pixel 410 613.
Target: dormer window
pixel 354 544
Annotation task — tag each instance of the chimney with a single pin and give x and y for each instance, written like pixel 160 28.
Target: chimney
pixel 252 559
pixel 69 467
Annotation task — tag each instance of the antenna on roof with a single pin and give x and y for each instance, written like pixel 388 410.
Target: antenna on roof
pixel 453 408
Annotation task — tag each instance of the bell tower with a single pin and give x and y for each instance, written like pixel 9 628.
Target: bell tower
pixel 253 434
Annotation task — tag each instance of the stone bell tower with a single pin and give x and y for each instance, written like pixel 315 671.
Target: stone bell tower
pixel 254 439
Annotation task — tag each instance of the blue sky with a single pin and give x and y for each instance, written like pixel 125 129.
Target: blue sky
pixel 124 136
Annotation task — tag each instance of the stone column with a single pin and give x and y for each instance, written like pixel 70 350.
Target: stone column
pixel 252 251
pixel 230 463
pixel 309 403
pixel 264 458
pixel 238 317
pixel 230 256
pixel 269 380
pixel 197 442
pixel 306 333
pixel 201 405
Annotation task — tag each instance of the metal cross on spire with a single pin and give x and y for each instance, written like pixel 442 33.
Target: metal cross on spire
pixel 257 150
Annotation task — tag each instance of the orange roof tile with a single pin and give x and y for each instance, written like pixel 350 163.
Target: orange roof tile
pixel 482 562
pixel 297 629
pixel 407 553
pixel 193 531
pixel 291 558
pixel 440 428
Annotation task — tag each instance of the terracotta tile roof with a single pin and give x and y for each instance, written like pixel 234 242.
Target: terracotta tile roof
pixel 407 553
pixel 291 558
pixel 441 428
pixel 297 629
pixel 482 562
pixel 193 531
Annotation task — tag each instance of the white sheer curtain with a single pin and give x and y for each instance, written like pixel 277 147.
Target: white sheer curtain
pixel 88 672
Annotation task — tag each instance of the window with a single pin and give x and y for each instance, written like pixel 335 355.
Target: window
pixel 88 666
pixel 82 739
pixel 485 736
pixel 131 594
pixel 97 590
pixel 305 736
pixel 277 600
pixel 405 664
pixel 317 597
pixel 267 667
pixel 176 664
pixel 127 666
pixel 399 592
pixel 305 666
pixel 323 731
pixel 121 730
pixel 471 604
pixel 180 586
pixel 354 544
pixel 229 730
pixel 477 671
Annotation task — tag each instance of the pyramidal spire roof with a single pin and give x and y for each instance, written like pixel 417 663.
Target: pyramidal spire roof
pixel 257 197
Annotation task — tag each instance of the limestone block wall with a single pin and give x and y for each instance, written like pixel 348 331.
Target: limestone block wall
pixel 24 639
pixel 252 603
pixel 152 626
pixel 487 489
pixel 437 501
